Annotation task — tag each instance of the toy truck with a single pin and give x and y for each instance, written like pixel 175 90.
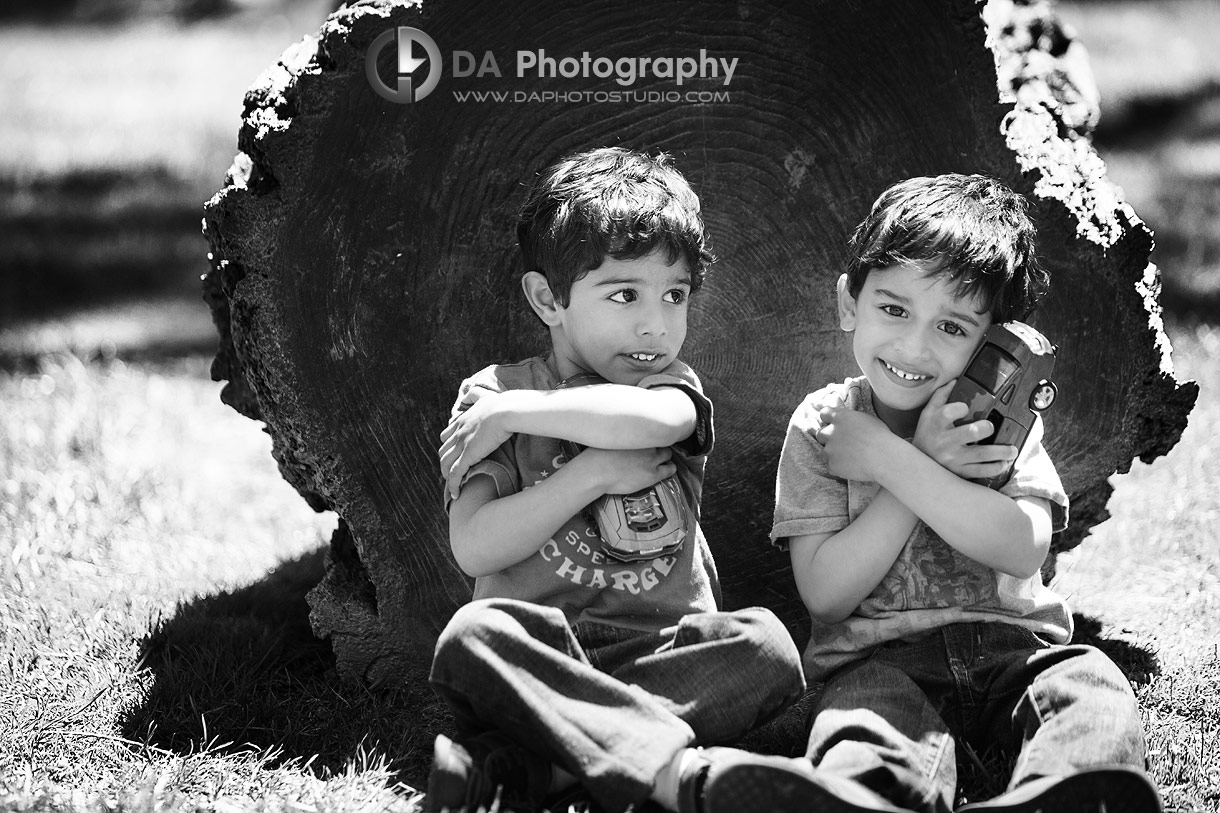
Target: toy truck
pixel 1008 382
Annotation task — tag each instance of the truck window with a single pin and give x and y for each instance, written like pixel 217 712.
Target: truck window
pixel 991 368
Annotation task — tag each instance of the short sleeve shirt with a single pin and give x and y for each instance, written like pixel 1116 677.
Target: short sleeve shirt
pixel 570 571
pixel 931 584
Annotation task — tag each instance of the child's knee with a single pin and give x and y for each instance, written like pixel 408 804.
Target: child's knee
pixel 502 626
pixel 477 621
pixel 1090 671
pixel 771 646
pixel 1086 679
pixel 771 635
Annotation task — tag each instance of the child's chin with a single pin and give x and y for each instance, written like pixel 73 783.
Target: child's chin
pixel 628 374
pixel 898 400
pixel 629 379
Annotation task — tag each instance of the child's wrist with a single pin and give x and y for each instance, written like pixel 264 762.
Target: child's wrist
pixel 892 457
pixel 508 408
pixel 587 483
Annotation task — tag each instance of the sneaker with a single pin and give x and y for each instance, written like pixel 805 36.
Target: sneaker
pixel 727 780
pixel 1117 789
pixel 484 770
pixel 572 799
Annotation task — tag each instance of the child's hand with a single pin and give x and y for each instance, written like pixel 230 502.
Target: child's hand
pixel 954 446
pixel 470 437
pixel 625 471
pixel 854 442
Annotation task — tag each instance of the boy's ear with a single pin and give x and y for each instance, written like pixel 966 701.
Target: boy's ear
pixel 847 306
pixel 542 300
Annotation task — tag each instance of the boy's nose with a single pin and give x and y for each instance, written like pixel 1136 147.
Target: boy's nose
pixel 914 344
pixel 652 322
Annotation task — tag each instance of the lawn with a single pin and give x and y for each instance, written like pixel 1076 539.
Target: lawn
pixel 154 645
pixel 138 666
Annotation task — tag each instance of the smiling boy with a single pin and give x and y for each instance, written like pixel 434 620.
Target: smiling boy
pixel 931 624
pixel 570 662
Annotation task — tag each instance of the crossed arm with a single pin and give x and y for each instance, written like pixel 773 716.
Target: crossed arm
pixel 923 479
pixel 628 432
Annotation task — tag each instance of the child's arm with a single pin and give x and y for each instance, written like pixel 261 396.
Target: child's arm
pixel 489 533
pixel 836 562
pixel 1006 534
pixel 605 416
pixel 835 572
pixel 1009 535
pixel 1018 543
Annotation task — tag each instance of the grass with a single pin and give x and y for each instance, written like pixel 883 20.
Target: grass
pixel 1147 581
pixel 156 652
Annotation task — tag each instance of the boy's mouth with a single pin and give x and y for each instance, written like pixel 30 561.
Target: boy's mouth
pixel 904 374
pixel 647 358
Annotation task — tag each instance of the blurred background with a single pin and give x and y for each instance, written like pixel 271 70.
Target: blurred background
pixel 118 119
pixel 1158 73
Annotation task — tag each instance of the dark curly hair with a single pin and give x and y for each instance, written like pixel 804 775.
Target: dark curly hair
pixel 970 227
pixel 609 202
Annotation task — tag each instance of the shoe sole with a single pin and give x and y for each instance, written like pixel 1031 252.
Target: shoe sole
pixel 447 780
pixel 1099 791
pixel 763 788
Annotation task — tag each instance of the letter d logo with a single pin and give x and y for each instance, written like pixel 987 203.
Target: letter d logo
pixel 407 64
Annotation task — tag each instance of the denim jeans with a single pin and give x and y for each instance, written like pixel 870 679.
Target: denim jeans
pixel 890 721
pixel 609 705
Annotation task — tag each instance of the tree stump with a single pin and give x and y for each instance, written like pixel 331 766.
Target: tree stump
pixel 362 256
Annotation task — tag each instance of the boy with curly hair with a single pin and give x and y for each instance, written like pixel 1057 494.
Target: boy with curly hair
pixel 574 662
pixel 931 623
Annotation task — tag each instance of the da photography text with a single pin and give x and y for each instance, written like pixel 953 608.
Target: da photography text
pixel 419 66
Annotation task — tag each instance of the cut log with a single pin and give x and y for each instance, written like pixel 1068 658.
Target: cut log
pixel 362 256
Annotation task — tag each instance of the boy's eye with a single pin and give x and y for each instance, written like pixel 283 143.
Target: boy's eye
pixel 894 310
pixel 676 297
pixel 953 329
pixel 626 295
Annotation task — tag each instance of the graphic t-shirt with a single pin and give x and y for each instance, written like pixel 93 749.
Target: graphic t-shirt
pixel 931 584
pixel 570 571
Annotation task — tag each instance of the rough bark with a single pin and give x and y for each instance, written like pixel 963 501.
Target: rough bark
pixel 362 258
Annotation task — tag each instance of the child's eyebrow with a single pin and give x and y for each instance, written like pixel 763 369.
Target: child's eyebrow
pixel 960 315
pixel 964 317
pixel 886 292
pixel 618 281
pixel 639 281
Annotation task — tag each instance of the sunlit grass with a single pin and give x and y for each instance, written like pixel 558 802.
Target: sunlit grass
pixel 91 486
pixel 1151 576
pixel 125 495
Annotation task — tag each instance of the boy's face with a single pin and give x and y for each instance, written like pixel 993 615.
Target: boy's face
pixel 625 319
pixel 911 336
